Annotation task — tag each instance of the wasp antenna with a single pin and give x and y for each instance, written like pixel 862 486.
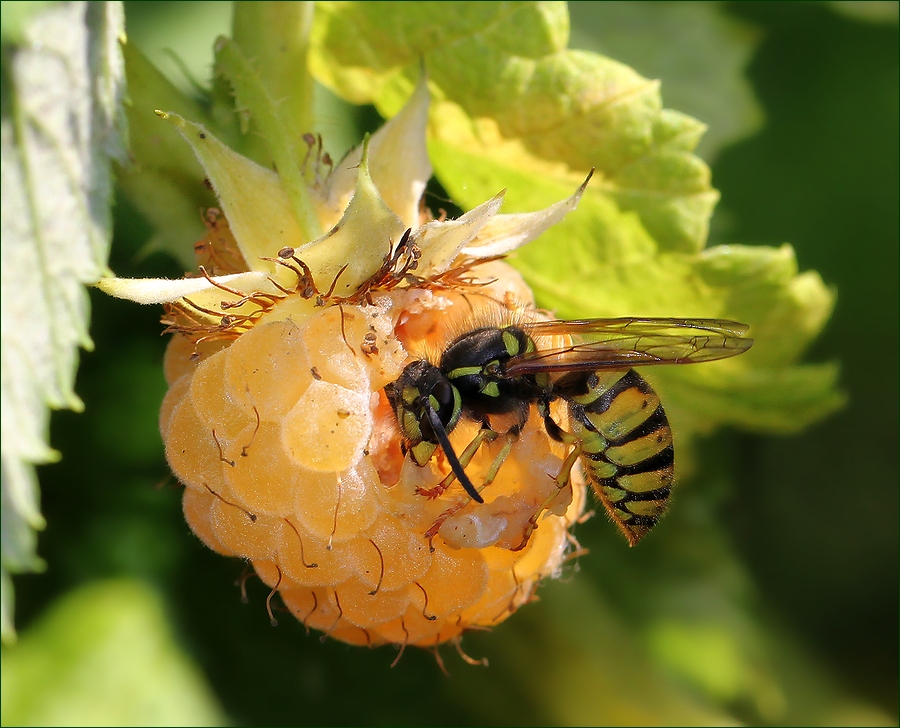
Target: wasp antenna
pixel 441 434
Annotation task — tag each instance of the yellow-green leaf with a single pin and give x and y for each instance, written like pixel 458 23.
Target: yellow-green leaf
pixel 164 180
pixel 507 92
pixel 104 655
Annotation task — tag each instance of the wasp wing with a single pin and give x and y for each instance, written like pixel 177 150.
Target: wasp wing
pixel 626 342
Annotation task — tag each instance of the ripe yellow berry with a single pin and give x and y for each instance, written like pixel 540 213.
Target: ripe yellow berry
pixel 291 458
pixel 278 420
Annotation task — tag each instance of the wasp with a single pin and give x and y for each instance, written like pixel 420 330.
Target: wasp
pixel 618 428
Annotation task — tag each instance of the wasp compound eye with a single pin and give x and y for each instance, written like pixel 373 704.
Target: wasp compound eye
pixel 445 395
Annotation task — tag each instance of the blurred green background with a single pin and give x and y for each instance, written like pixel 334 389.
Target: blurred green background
pixel 770 596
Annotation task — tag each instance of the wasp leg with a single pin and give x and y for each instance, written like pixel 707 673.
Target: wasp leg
pixel 511 437
pixel 456 467
pixel 565 472
pixel 484 435
pixel 555 431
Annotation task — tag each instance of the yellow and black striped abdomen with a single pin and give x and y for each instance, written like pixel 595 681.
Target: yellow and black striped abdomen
pixel 626 448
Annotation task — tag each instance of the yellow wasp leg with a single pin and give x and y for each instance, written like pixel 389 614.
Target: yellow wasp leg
pixel 511 437
pixel 484 435
pixel 466 458
pixel 562 481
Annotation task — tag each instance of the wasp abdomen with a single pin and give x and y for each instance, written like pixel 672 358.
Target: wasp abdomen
pixel 626 448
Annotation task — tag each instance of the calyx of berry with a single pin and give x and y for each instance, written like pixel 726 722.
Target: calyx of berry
pixel 366 203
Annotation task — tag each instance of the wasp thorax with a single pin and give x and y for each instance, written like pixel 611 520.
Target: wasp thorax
pixel 474 364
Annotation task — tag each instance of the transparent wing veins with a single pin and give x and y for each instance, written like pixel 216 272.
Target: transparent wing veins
pixel 627 342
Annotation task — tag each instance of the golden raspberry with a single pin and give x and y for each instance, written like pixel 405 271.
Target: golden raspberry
pixel 277 419
pixel 290 454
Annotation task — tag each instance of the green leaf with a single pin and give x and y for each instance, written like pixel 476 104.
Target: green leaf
pixel 870 11
pixel 104 655
pixel 164 180
pixel 506 91
pixel 697 51
pixel 360 47
pixel 282 137
pixel 611 266
pixel 274 37
pixel 15 17
pixel 513 109
pixel 61 125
